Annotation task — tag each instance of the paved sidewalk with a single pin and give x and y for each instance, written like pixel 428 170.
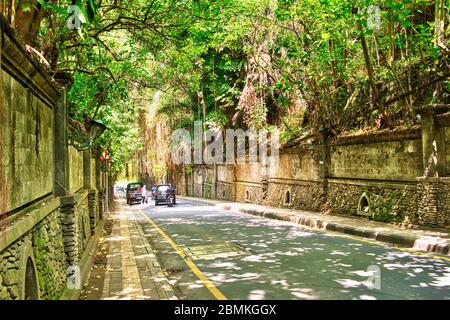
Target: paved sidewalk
pixel 421 239
pixel 133 271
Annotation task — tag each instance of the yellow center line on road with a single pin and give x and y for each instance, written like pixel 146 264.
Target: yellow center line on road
pixel 208 284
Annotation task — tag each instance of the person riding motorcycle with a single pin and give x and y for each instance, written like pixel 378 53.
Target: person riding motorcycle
pixel 170 196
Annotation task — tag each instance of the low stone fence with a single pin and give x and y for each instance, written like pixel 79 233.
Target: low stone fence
pixel 33 260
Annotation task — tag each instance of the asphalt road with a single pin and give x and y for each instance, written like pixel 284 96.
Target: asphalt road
pixel 247 257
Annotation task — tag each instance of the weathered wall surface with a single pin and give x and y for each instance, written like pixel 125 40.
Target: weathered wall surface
pixel 92 172
pixel 375 175
pixel 386 202
pixel 37 244
pixel 225 182
pixel 447 149
pixel 394 160
pixel 75 219
pixel 44 225
pixel 197 179
pixel 27 156
pixel 75 170
pixel 444 200
pixel 296 184
pixel 248 183
pixel 298 165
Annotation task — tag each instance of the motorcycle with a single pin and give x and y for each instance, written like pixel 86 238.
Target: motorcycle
pixel 170 198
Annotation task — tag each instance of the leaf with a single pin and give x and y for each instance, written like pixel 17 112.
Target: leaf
pixel 325 36
pixel 406 23
pixel 26 7
pixel 46 5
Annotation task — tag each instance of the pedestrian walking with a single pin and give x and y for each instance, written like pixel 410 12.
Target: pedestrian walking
pixel 144 194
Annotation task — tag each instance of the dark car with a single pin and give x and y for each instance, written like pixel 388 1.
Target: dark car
pixel 134 192
pixel 162 191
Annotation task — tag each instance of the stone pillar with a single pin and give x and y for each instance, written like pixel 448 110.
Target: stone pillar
pixel 98 181
pixel 433 158
pixel 87 169
pixel 428 208
pixel 186 182
pixel 61 150
pixel 93 209
pixel 70 230
pixel 3 148
pixel 214 195
pixel 324 158
pixel 99 187
pixel 432 147
pixel 324 161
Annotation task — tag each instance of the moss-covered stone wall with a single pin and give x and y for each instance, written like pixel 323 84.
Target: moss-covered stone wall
pixel 387 160
pixel 27 139
pixel 43 246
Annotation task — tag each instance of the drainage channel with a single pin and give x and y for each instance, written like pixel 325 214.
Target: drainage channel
pixel 226 249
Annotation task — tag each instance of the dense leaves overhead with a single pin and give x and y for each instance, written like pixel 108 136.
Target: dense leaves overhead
pixel 303 66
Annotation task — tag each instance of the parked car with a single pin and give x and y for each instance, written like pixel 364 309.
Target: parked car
pixel 162 192
pixel 134 192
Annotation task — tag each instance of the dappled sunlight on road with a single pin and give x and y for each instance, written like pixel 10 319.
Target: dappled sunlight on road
pixel 285 261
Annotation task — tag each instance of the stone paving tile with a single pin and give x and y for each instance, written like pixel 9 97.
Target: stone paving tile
pixel 133 271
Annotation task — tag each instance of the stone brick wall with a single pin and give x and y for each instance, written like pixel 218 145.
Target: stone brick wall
pixel 444 200
pixel 92 172
pixel 93 209
pixel 225 182
pixel 295 194
pixel 101 203
pixel 298 165
pixel 48 225
pixel 248 172
pixel 447 149
pixel 249 192
pixel 296 184
pixel 27 151
pixel 225 191
pixel 75 220
pixel 387 160
pixel 336 178
pixel 43 248
pixel 387 202
pixel 434 201
pixel 75 170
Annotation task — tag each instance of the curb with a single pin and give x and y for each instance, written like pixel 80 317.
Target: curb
pixel 153 264
pixel 314 223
